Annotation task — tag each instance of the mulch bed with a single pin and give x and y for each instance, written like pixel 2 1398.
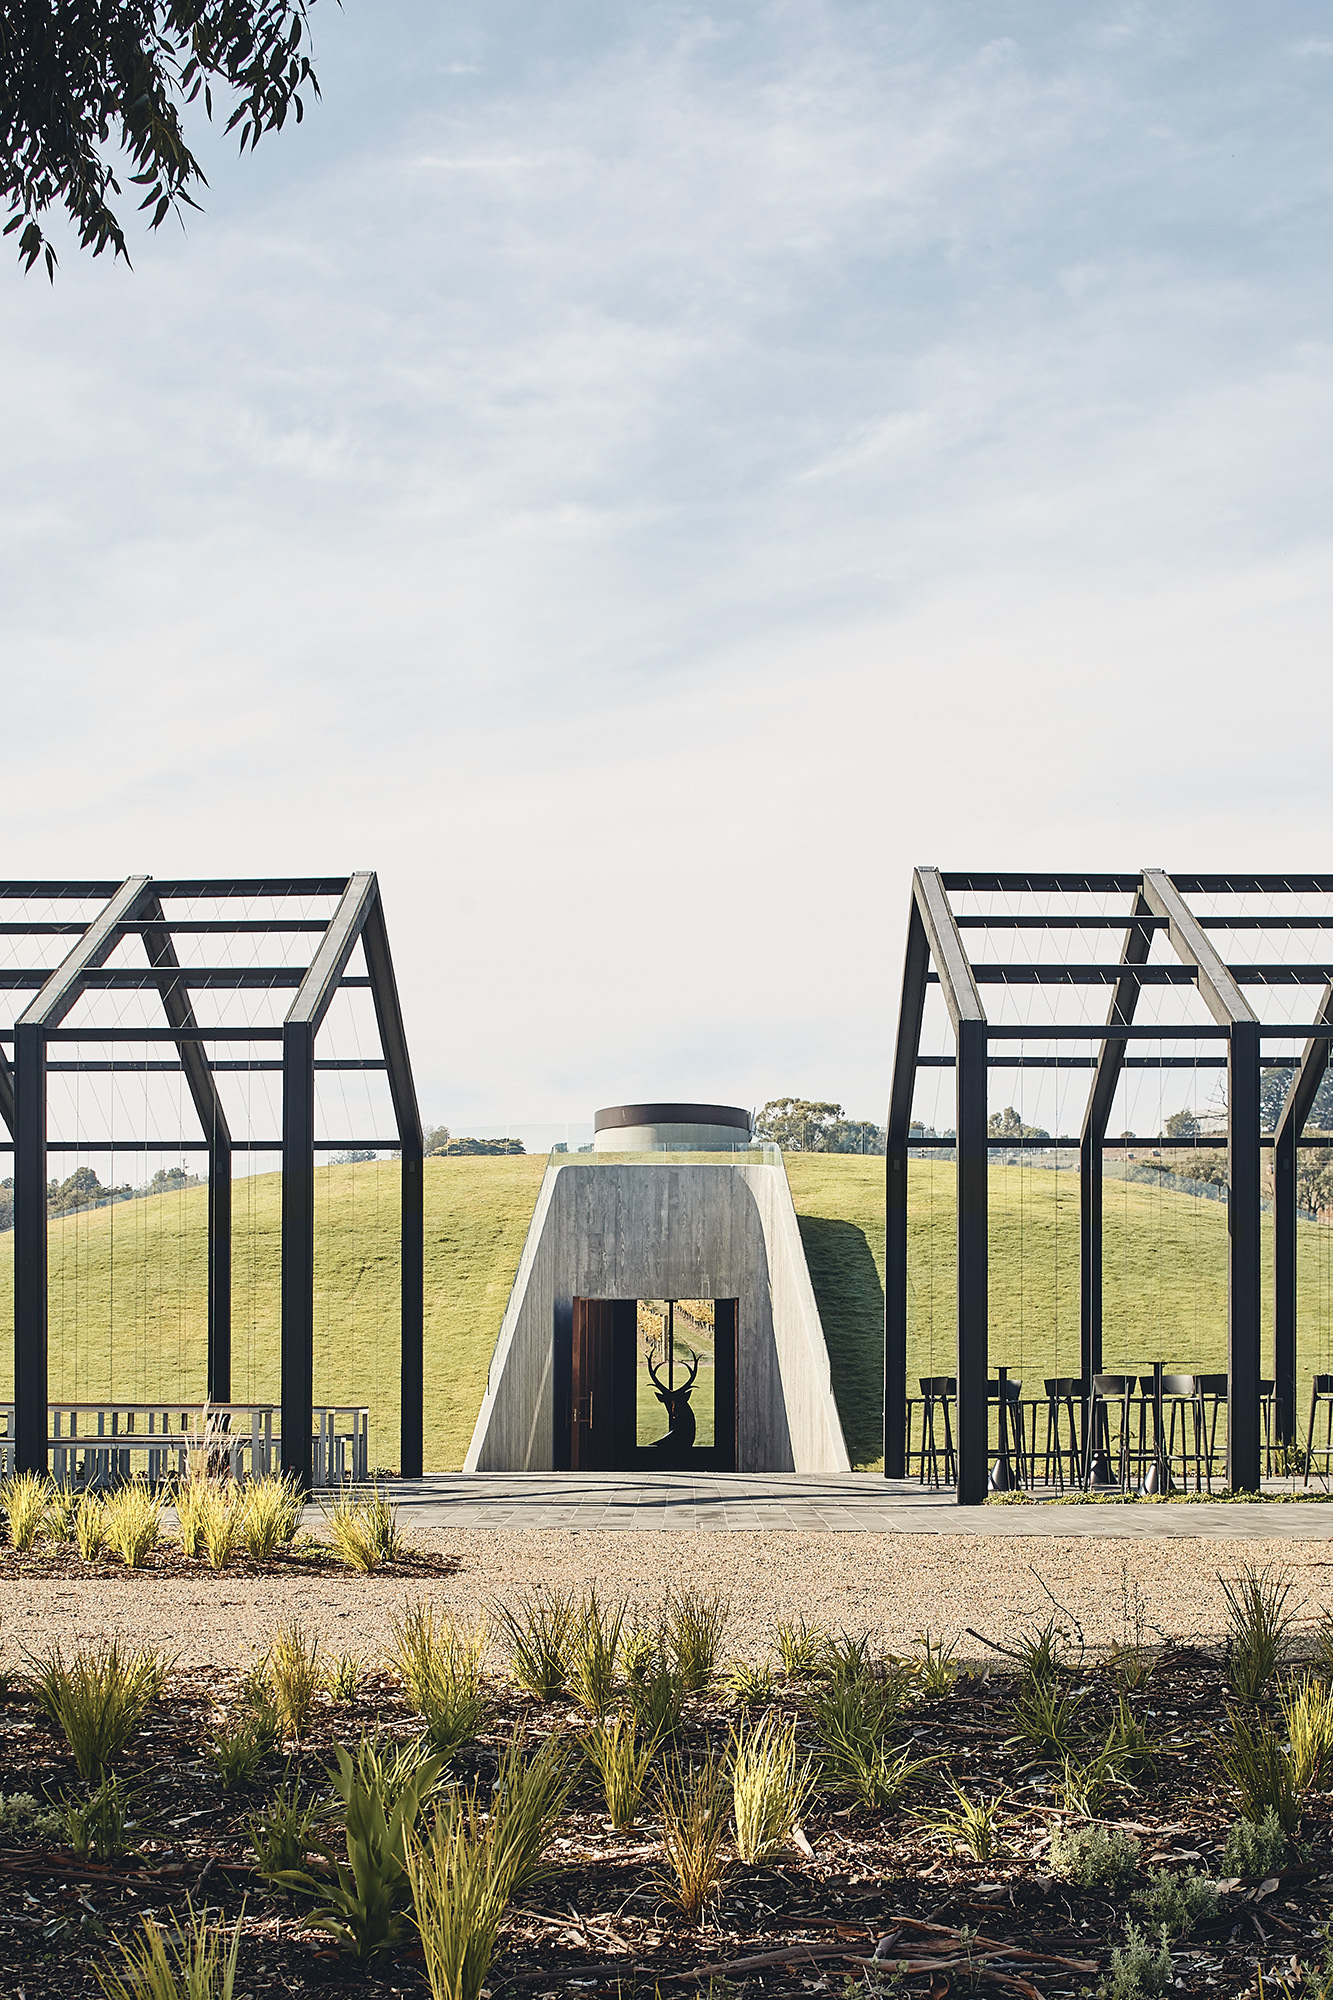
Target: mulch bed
pixel 304 1556
pixel 600 1924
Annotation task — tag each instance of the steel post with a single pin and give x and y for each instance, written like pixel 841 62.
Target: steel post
pixel 30 1289
pixel 298 1249
pixel 973 1343
pixel 1243 1301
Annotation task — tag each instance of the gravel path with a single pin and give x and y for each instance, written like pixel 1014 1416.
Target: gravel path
pixel 894 1585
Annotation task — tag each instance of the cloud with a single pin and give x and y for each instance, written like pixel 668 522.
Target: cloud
pixel 643 481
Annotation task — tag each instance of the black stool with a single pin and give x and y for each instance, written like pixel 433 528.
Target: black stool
pixel 937 1393
pixel 1321 1391
pixel 1064 1398
pixel 1110 1392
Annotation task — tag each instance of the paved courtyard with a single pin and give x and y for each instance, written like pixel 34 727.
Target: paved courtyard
pixel 864 1502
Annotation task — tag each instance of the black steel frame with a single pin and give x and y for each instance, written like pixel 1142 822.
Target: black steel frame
pixel 134 907
pixel 936 952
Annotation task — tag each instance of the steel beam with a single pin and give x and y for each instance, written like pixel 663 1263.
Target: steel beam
pixel 31 1030
pixel 7 1093
pixel 969 1023
pixel 1110 1061
pixel 911 1008
pixel 161 951
pixel 1229 1007
pixel 411 1142
pixel 1301 1093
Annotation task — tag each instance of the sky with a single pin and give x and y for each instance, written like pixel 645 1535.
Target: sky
pixel 644 478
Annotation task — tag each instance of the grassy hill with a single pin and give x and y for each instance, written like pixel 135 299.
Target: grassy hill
pixel 128 1300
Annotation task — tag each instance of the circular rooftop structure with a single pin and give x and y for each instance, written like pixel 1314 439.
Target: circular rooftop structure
pixel 702 1128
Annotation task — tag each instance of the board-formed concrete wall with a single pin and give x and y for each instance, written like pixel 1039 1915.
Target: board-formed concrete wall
pixel 629 1230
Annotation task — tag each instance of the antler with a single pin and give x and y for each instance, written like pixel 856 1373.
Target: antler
pixel 657 1380
pixel 694 1370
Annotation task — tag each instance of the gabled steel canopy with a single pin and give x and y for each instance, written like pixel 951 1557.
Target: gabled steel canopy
pixel 144 908
pixel 936 952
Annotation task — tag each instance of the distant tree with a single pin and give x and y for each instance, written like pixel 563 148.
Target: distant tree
pixel 82 1189
pixel 481 1147
pixel 82 83
pixel 1007 1124
pixel 436 1138
pixel 168 1179
pixel 1182 1125
pixel 7 1204
pixel 355 1157
pixel 855 1135
pixel 1273 1086
pixel 797 1124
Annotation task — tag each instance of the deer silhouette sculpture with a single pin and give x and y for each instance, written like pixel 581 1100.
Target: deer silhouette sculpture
pixel 674 1449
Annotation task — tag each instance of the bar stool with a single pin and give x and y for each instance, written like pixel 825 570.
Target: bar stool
pixel 1064 1398
pixel 1109 1392
pixel 1213 1396
pixel 1321 1391
pixel 1268 1418
pixel 1180 1398
pixel 937 1393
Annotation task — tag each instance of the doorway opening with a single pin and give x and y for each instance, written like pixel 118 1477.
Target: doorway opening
pixel 651 1383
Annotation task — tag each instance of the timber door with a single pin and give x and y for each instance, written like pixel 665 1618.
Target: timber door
pixel 601 1431
pixel 726 1314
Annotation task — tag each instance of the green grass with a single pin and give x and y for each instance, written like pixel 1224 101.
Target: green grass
pixel 1164 1279
pixel 129 1312
pixel 128 1303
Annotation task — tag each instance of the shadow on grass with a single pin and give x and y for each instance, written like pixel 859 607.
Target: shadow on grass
pixel 850 1298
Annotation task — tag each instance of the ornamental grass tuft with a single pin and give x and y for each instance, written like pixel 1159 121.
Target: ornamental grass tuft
pixel 97 1699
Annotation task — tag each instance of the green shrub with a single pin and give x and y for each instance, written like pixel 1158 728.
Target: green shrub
pixel 1094 1857
pixel 974 1825
pixel 342 1676
pixel 21 1813
pixel 1047 1720
pixel 853 1720
pixel 1176 1903
pixel 752 1687
pixel 98 1699
pixel 1139 1968
pixel 657 1702
pixel 934 1670
pixel 1254 1847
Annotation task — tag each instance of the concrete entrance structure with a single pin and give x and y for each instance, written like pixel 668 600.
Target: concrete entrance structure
pixel 655 1228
